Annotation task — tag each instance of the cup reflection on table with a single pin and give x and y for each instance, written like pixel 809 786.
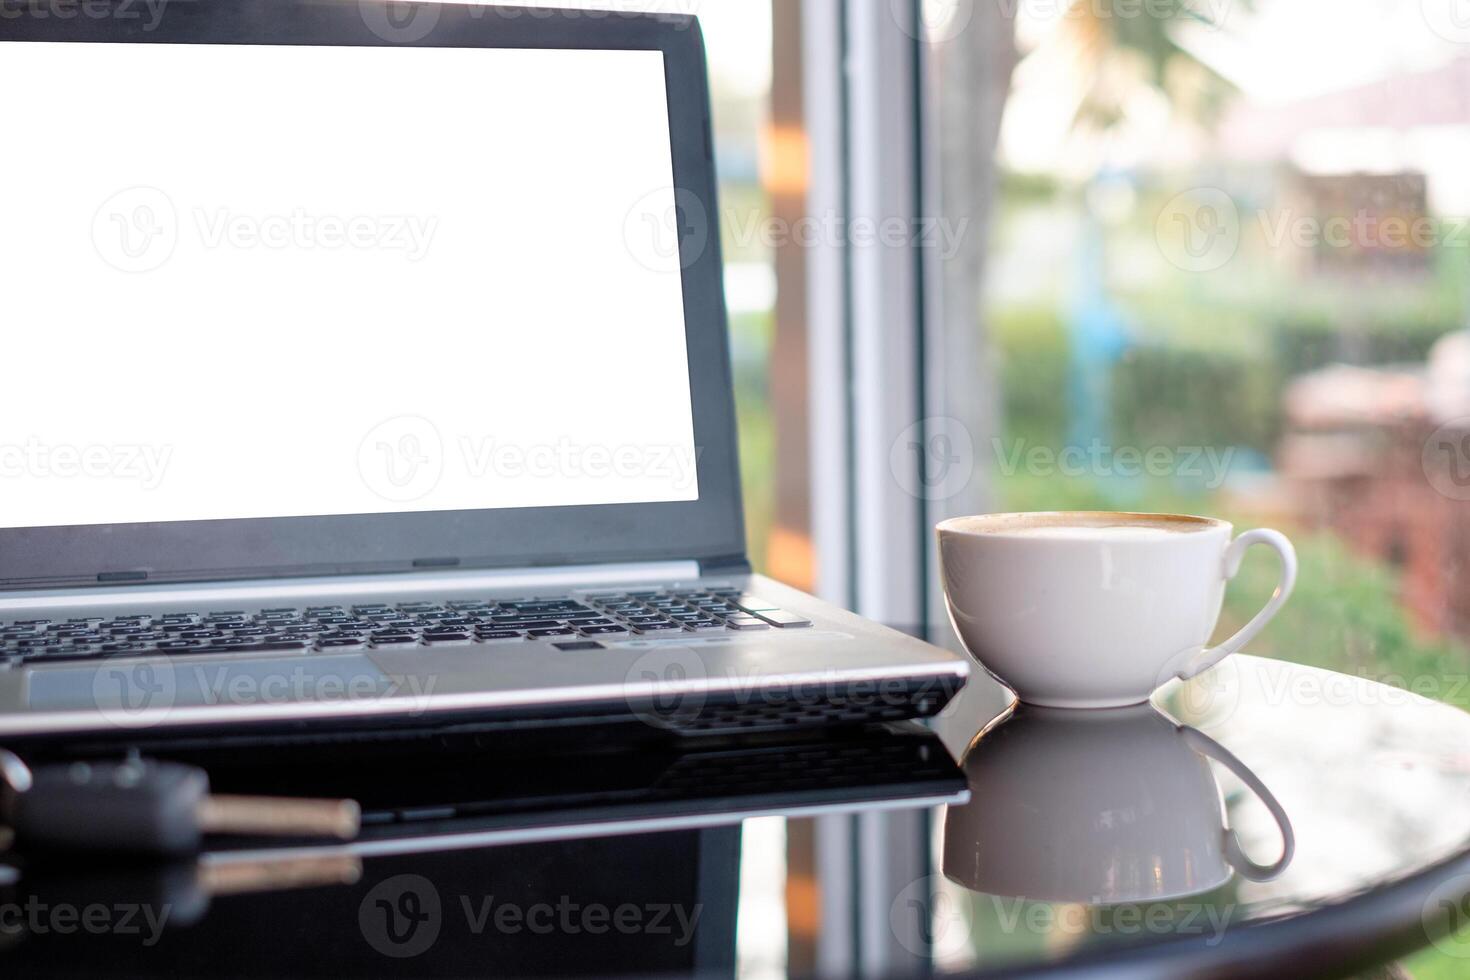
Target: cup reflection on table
pixel 1102 807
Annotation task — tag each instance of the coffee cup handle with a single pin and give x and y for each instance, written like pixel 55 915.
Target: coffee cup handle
pixel 1234 556
pixel 1234 853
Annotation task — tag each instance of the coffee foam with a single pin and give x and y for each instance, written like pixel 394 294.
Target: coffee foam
pixel 1082 526
pixel 1101 532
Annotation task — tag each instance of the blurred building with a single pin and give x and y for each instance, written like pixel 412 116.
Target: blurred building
pixel 1381 456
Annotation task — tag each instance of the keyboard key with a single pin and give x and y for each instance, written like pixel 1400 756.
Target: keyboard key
pixel 343 643
pixel 601 630
pixel 395 641
pixel 251 646
pixel 447 639
pixel 663 627
pixel 746 623
pixel 558 631
pixel 58 657
pixel 545 608
pixel 499 636
pixel 783 619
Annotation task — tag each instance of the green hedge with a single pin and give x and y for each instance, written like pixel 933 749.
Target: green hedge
pixel 1168 395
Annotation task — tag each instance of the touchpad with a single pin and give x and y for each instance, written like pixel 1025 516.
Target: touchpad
pixel 130 686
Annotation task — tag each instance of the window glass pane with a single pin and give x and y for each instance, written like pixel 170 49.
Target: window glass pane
pixel 1228 276
pixel 1226 271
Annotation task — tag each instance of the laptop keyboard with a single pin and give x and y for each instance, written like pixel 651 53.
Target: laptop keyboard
pixel 392 626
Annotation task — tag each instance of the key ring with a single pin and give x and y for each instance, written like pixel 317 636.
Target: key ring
pixel 15 773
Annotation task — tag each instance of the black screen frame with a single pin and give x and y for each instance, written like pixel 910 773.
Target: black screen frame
pixel 710 530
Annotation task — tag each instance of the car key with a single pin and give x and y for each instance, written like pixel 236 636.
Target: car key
pixel 154 809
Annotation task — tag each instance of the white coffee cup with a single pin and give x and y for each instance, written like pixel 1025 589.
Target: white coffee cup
pixel 1097 610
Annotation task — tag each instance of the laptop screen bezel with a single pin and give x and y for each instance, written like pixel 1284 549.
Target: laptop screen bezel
pixel 705 529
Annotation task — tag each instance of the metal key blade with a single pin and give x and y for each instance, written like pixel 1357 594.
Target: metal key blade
pixel 247 815
pixel 226 876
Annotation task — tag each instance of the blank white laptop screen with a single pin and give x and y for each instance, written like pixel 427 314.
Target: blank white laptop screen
pixel 289 281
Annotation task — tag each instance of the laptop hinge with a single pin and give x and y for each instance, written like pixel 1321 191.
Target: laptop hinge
pixel 727 565
pixel 443 584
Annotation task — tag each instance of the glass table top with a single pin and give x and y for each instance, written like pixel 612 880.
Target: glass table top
pixel 1263 815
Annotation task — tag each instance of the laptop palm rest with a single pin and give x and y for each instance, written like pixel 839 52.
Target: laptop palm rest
pixel 132 686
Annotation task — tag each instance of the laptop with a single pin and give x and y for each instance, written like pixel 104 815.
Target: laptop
pixel 367 369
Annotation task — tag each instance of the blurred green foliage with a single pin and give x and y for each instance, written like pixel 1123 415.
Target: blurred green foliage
pixel 1172 393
